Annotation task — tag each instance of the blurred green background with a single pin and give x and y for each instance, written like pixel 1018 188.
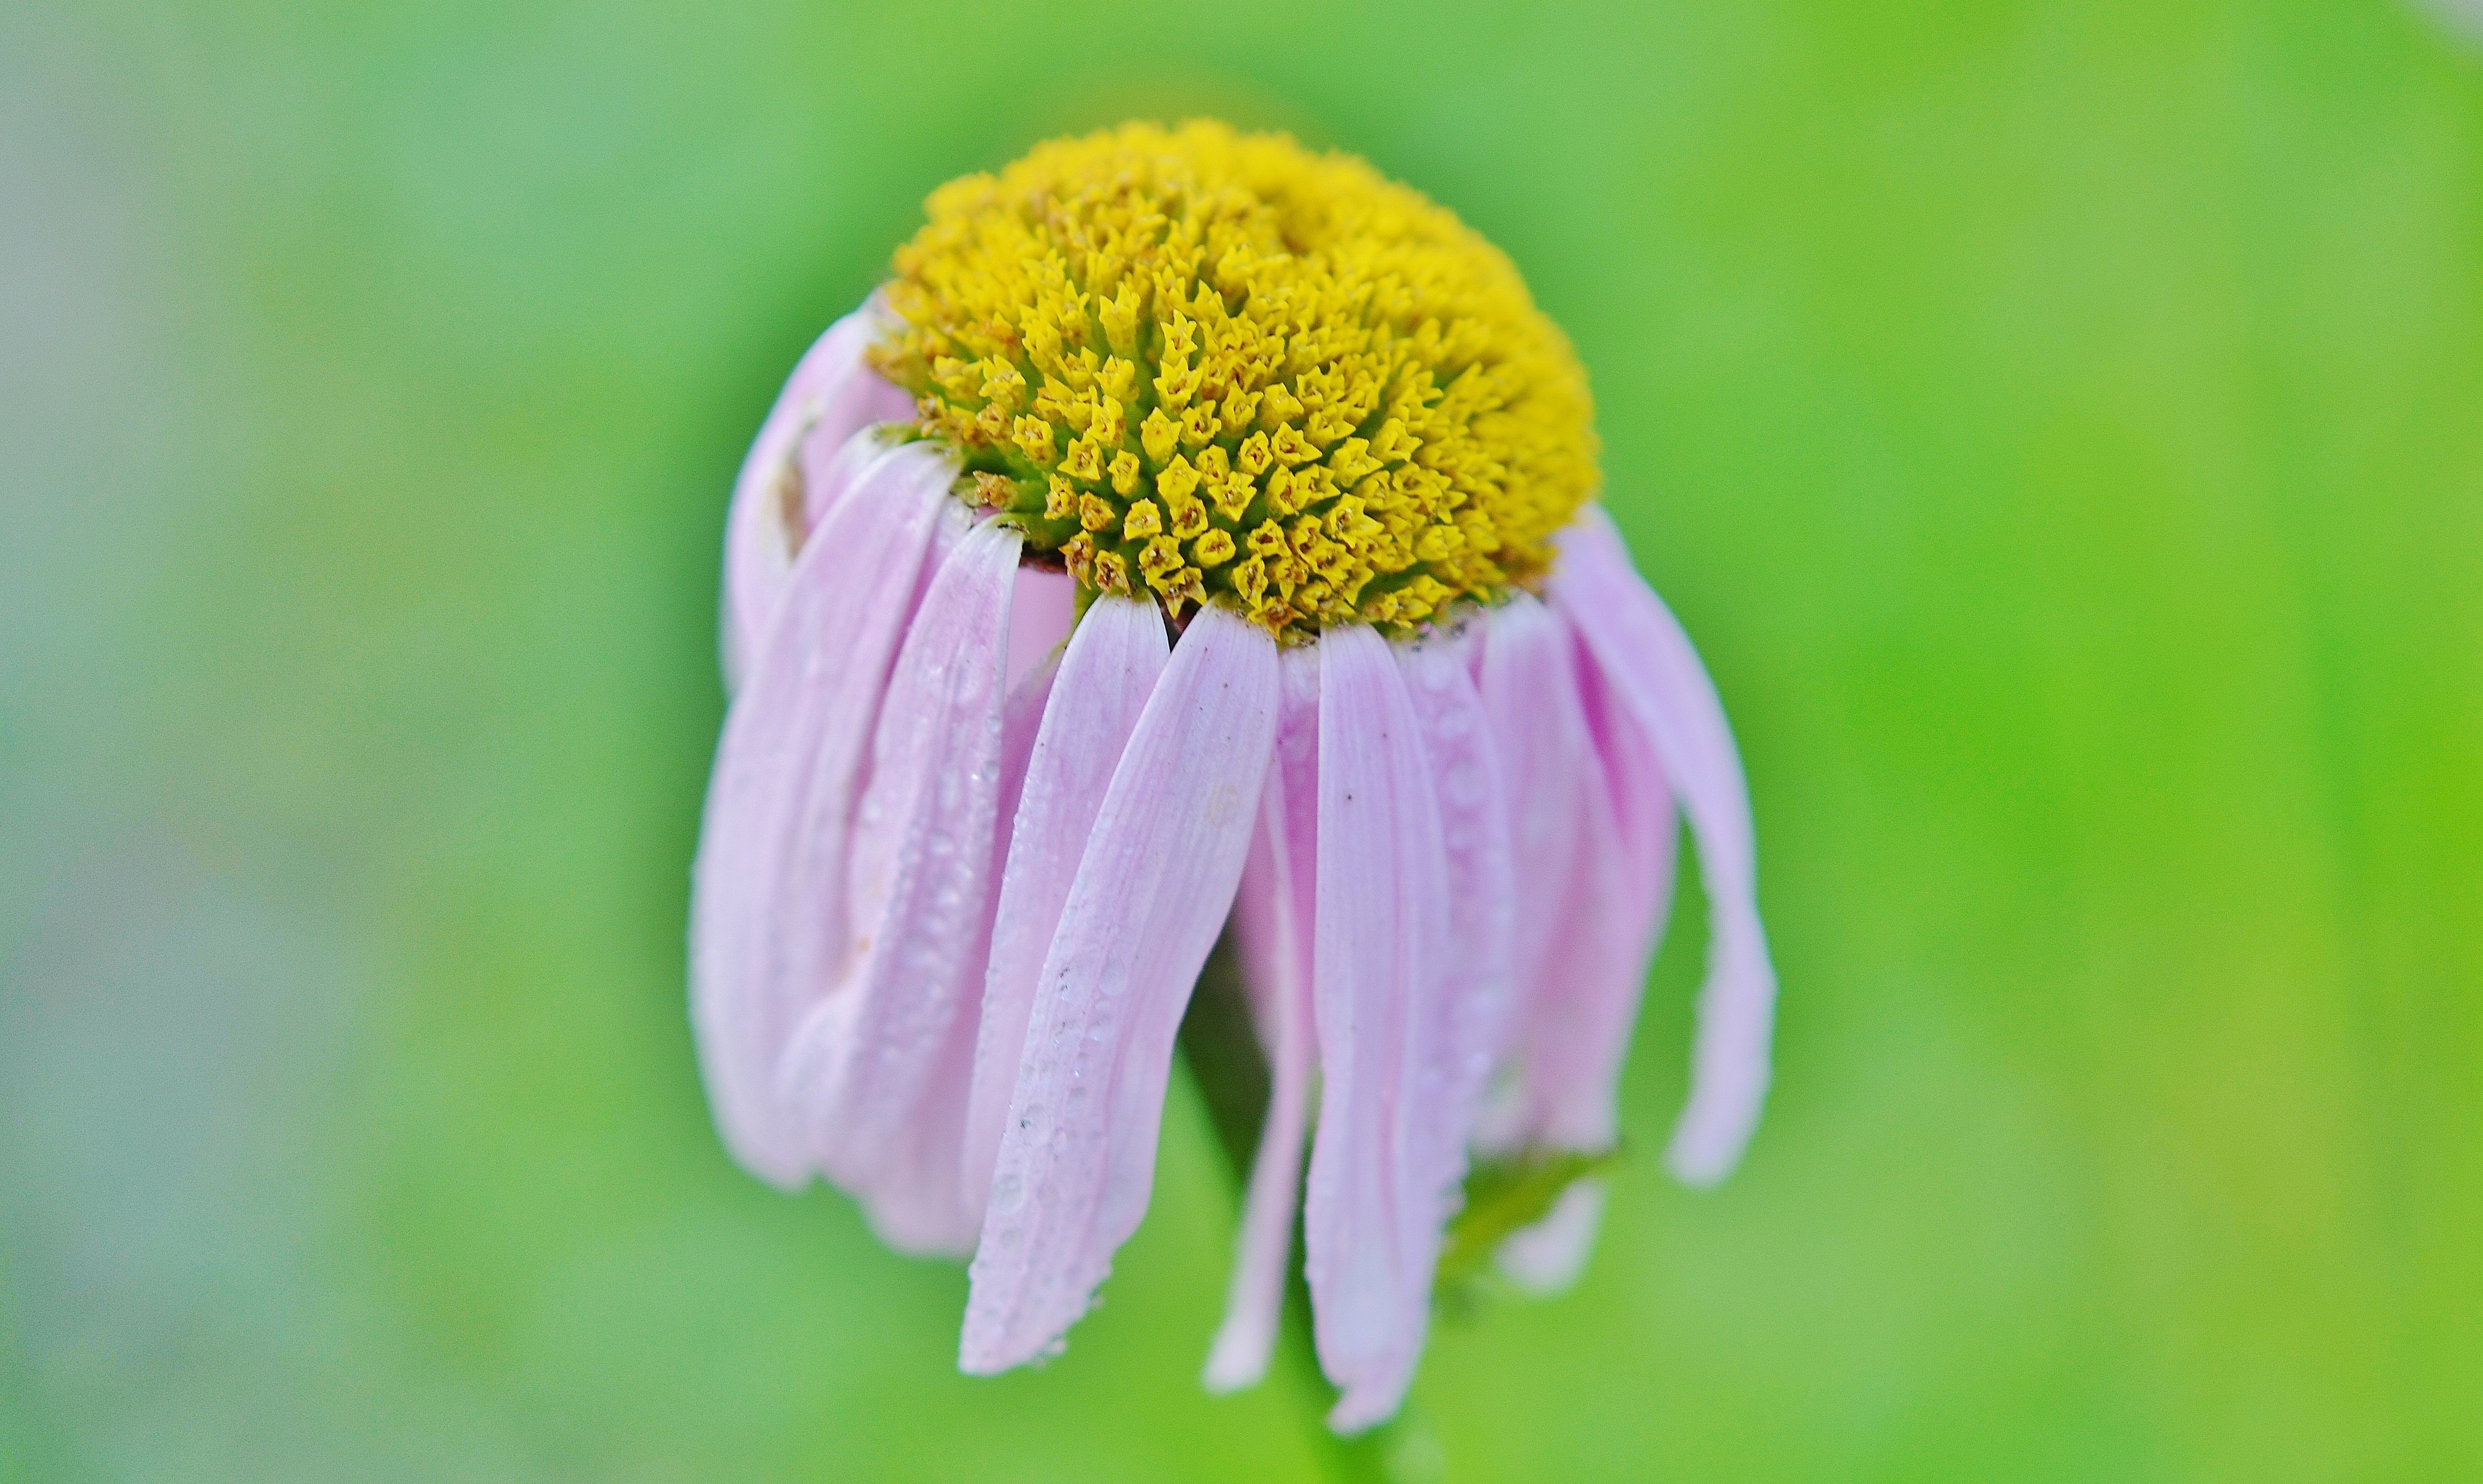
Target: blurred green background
pixel 2061 424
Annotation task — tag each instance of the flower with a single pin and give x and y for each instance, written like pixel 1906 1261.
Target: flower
pixel 1196 530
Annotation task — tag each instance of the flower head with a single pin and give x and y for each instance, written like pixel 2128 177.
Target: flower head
pixel 1208 365
pixel 1193 535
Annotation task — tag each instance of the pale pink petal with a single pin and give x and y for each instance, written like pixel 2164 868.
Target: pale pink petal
pixel 768 899
pixel 1548 1256
pixel 1595 880
pixel 1655 674
pixel 1077 1158
pixel 1272 920
pixel 826 473
pixel 914 1204
pixel 860 399
pixel 1112 666
pixel 1579 1025
pixel 1530 692
pixel 1381 929
pixel 1587 1002
pixel 777 496
pixel 867 1064
pixel 1039 619
pixel 912 1201
pixel 1644 815
pixel 1021 724
pixel 1471 994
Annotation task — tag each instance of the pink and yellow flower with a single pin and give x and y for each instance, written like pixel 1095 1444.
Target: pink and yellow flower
pixel 1197 532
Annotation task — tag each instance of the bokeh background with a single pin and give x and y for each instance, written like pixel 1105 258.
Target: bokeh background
pixel 2060 423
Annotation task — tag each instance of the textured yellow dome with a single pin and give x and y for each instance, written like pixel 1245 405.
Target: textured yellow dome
pixel 1221 368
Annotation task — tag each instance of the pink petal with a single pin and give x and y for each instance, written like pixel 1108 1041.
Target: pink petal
pixel 1472 995
pixel 1381 929
pixel 1655 674
pixel 1076 1159
pixel 1530 692
pixel 860 398
pixel 1646 817
pixel 1021 723
pixel 1273 921
pixel 912 1201
pixel 1547 1257
pixel 1586 1003
pixel 1582 1013
pixel 776 499
pixel 1595 828
pixel 914 1204
pixel 1040 617
pixel 768 896
pixel 1113 660
pixel 889 1053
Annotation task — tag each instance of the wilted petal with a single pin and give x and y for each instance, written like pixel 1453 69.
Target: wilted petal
pixel 1599 830
pixel 1077 1158
pixel 1272 920
pixel 1040 616
pixel 1547 1257
pixel 864 1070
pixel 912 1202
pixel 777 498
pixel 1553 788
pixel 1468 1004
pixel 1655 674
pixel 859 400
pixel 1646 817
pixel 768 899
pixel 1382 924
pixel 1021 724
pixel 1621 890
pixel 1112 663
pixel 915 1204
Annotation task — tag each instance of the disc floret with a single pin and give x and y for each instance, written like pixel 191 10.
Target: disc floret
pixel 1215 367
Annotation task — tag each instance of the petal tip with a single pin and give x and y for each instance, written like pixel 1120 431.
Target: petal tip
pixel 1364 1407
pixel 1549 1256
pixel 1237 1361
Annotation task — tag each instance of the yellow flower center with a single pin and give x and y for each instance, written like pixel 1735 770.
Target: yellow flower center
pixel 1221 368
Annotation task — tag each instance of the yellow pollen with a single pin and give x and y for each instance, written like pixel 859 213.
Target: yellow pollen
pixel 1156 350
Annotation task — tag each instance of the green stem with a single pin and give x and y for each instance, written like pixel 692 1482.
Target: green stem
pixel 1222 1050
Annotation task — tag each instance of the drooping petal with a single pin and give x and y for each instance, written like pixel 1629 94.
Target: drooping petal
pixel 915 1204
pixel 1547 1257
pixel 1538 725
pixel 825 472
pixel 1645 817
pixel 1574 1032
pixel 1040 617
pixel 1584 1003
pixel 1381 925
pixel 776 499
pixel 1596 829
pixel 1551 775
pixel 1469 1002
pixel 1656 675
pixel 1615 886
pixel 864 1068
pixel 1112 666
pixel 912 1201
pixel 1029 696
pixel 859 399
pixel 1272 920
pixel 1077 1158
pixel 768 897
